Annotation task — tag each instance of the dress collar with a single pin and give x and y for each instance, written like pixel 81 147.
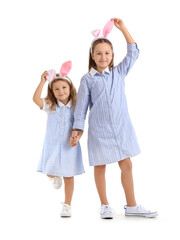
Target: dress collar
pixel 60 104
pixel 94 71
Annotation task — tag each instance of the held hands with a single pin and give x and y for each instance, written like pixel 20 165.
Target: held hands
pixel 118 23
pixel 76 135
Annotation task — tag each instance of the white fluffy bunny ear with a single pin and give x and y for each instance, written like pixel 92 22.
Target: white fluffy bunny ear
pixel 108 28
pixel 96 32
pixel 65 68
pixel 51 75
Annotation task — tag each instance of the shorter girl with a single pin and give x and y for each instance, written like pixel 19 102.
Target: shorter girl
pixel 58 158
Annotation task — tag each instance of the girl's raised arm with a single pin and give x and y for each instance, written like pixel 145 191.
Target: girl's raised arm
pixel 37 95
pixel 132 50
pixel 120 25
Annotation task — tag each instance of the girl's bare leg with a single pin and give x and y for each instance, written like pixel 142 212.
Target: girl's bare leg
pixel 69 188
pixel 50 176
pixel 99 175
pixel 127 181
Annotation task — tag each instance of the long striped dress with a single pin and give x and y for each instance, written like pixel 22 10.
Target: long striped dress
pixel 111 136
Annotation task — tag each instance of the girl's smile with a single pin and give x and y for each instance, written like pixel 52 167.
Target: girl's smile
pixel 102 56
pixel 61 91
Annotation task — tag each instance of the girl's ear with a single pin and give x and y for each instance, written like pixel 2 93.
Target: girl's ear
pixel 92 55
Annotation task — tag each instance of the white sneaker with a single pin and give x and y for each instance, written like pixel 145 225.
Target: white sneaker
pixel 56 181
pixel 66 210
pixel 139 211
pixel 106 212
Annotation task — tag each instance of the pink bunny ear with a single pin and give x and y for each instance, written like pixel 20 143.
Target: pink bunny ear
pixel 51 75
pixel 96 32
pixel 108 28
pixel 65 68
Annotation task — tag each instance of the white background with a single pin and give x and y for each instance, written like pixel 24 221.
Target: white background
pixel 40 35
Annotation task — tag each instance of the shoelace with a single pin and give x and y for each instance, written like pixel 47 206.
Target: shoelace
pixel 106 209
pixel 66 207
pixel 56 180
pixel 140 207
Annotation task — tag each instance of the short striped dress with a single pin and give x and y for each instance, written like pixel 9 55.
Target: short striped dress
pixel 58 157
pixel 111 136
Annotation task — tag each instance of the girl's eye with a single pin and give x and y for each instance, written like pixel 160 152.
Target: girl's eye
pixel 107 53
pixel 56 88
pixel 64 87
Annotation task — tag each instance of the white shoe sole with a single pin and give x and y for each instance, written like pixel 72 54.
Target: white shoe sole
pixel 107 216
pixel 150 215
pixel 57 187
pixel 65 215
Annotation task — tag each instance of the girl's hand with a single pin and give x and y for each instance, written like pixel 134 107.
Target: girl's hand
pixel 118 23
pixel 74 138
pixel 76 135
pixel 73 142
pixel 43 76
pixel 37 95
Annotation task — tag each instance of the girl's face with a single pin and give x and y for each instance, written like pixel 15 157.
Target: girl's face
pixel 61 91
pixel 102 56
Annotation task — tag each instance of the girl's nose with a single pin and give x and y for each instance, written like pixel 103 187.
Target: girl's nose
pixel 102 57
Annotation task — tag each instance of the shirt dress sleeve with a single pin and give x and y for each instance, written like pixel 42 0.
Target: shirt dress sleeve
pixel 127 63
pixel 82 103
pixel 46 107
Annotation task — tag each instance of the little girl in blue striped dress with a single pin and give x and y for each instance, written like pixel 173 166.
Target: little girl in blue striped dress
pixel 111 136
pixel 58 158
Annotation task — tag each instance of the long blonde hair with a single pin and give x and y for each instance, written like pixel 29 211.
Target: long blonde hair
pixel 91 61
pixel 50 98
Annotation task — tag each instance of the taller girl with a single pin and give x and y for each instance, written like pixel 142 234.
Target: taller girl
pixel 111 136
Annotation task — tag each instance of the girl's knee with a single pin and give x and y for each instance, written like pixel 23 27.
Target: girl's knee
pixel 100 168
pixel 125 165
pixel 68 179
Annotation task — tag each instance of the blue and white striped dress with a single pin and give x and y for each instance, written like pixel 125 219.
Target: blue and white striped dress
pixel 111 136
pixel 58 157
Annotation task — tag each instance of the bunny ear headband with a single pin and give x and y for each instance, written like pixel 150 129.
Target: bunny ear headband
pixel 106 30
pixel 65 69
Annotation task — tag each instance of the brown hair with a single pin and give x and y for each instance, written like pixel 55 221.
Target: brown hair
pixel 91 61
pixel 50 98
